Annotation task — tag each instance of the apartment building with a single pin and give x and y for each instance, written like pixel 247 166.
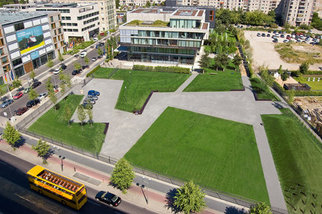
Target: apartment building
pixel 164 35
pixel 80 21
pixel 26 42
pixel 297 12
pixel 140 3
pixel 107 12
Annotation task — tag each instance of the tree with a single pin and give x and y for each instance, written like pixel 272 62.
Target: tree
pixel 221 61
pixel 290 94
pixel 52 97
pixel 316 21
pixel 117 4
pixel 99 51
pixel 89 112
pixel 60 57
pixel 304 67
pixel 65 81
pixel 49 86
pixel 42 148
pixel 32 75
pixel 284 75
pixel 81 114
pixel 260 208
pixel 16 83
pixel 148 4
pixel 67 113
pixel 237 60
pixel 32 94
pixel 77 66
pixel 190 198
pixel 280 70
pixel 122 175
pixel 11 135
pixel 50 63
pixel 86 60
pixel 205 61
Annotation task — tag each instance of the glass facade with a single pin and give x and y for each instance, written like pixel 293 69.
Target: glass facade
pixel 162 50
pixel 184 23
pixel 166 42
pixel 160 58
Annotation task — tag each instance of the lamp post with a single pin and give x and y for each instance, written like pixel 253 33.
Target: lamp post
pixel 62 162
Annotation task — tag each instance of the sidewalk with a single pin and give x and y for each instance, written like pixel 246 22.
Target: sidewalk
pixel 154 200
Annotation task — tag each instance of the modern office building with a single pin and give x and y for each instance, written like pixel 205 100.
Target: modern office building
pixel 140 3
pixel 107 12
pixel 298 12
pixel 164 36
pixel 79 21
pixel 26 42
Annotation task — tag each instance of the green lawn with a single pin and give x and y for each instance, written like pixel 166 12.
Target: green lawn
pixel 298 160
pixel 315 86
pixel 138 85
pixel 53 125
pixel 213 152
pixel 103 72
pixel 261 90
pixel 216 81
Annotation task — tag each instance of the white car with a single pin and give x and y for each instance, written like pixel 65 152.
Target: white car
pixel 42 95
pixel 56 71
pixel 83 54
pixel 95 39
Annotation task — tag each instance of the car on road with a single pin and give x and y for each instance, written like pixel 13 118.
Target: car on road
pixel 17 95
pixel 36 84
pixel 85 66
pixel 63 66
pixel 26 91
pixel 6 103
pixel 83 54
pixel 76 72
pixel 32 103
pixel 56 71
pixel 20 89
pixel 76 55
pixel 93 93
pixel 95 39
pixel 94 59
pixel 108 198
pixel 42 95
pixel 21 111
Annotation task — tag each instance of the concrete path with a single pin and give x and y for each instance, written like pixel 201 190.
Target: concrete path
pixel 186 83
pixel 126 128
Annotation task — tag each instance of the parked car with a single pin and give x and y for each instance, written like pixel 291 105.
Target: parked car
pixel 20 89
pixel 93 93
pixel 94 59
pixel 286 40
pixel 26 90
pixel 83 54
pixel 63 66
pixel 17 95
pixel 76 55
pixel 85 66
pixel 42 95
pixel 263 35
pixel 108 198
pixel 32 103
pixel 268 35
pixel 95 39
pixel 282 36
pixel 87 105
pixel 258 35
pixel 90 100
pixel 36 84
pixel 76 72
pixel 21 111
pixel 275 40
pixel 99 56
pixel 6 103
pixel 92 97
pixel 56 71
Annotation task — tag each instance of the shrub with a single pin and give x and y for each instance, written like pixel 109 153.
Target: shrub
pixel 171 69
pixel 308 93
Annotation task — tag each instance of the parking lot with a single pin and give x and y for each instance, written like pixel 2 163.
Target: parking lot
pixel 264 54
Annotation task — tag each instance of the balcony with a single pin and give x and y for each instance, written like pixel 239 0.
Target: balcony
pixel 157 23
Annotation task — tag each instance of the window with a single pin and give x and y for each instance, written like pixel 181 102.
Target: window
pixel 17 62
pixel 19 26
pixel 52 19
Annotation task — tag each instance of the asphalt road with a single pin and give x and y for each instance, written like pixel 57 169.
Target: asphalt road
pixel 17 197
pixel 21 102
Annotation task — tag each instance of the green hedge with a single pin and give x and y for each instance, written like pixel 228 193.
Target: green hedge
pixel 308 93
pixel 170 69
pixel 92 71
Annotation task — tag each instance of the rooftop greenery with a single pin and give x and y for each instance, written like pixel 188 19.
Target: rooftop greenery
pixel 157 23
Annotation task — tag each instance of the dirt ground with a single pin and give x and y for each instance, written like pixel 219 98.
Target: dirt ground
pixel 264 53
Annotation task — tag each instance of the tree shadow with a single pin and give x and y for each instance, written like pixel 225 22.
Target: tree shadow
pixel 234 210
pixel 170 201
pixel 19 143
pixel 49 154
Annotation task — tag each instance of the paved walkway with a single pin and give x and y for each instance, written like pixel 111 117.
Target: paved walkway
pixel 186 83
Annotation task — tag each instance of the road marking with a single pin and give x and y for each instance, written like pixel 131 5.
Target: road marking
pixel 33 202
pixel 24 198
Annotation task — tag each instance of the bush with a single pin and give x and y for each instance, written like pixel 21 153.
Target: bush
pixel 95 69
pixel 308 93
pixel 170 69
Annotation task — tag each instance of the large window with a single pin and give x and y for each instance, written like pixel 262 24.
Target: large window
pixel 16 62
pixel 19 71
pixel 19 26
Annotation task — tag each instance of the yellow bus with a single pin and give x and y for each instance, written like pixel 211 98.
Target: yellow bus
pixel 58 187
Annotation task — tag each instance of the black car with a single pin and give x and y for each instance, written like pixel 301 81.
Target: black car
pixel 263 35
pixel 20 111
pixel 108 198
pixel 76 72
pixel 268 35
pixel 35 84
pixel 258 34
pixel 275 40
pixel 32 103
pixel 85 66
pixel 63 66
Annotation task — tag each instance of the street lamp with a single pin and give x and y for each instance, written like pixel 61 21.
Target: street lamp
pixel 62 162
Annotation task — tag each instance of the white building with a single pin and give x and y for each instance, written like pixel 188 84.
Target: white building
pixel 297 12
pixel 79 21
